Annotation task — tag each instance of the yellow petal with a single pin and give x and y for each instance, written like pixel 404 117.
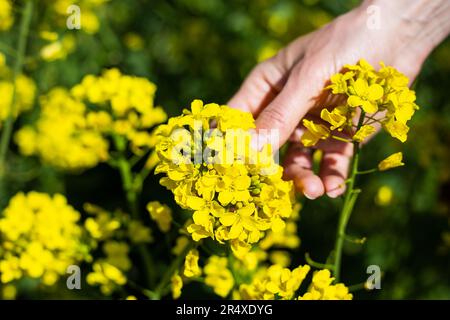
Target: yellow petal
pixel 393 161
pixel 375 92
pixel 363 133
pixel 361 87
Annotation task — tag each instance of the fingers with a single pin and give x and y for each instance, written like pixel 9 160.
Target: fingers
pixel 268 78
pixel 333 172
pixel 260 88
pixel 333 168
pixel 298 167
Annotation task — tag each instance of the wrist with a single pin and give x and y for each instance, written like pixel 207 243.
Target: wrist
pixel 404 32
pixel 423 23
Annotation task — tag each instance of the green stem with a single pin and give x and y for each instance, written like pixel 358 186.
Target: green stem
pixel 317 265
pixel 17 70
pixel 341 139
pixel 349 202
pixel 367 171
pixel 174 266
pixel 131 193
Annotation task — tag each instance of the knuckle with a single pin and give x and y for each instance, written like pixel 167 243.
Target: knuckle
pixel 273 117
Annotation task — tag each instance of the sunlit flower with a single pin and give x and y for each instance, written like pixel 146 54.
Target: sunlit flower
pixel 39 238
pixel 393 161
pixel 235 193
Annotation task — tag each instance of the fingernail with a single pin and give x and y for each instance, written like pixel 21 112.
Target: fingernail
pixel 308 196
pixel 334 193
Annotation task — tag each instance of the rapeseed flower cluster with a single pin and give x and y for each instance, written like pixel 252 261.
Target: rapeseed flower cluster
pixel 161 214
pixel 75 127
pixel 322 288
pixel 112 233
pixel 236 193
pixel 21 92
pixel 39 238
pixel 382 95
pixel 276 282
pixel 90 21
pixel 58 47
pixel 62 136
pixel 218 276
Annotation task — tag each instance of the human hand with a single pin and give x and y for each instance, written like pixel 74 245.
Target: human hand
pixel 283 90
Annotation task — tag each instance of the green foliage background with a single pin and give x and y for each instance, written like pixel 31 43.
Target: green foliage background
pixel 204 49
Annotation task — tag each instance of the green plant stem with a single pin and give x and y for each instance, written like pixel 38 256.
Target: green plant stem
pixel 131 194
pixel 317 265
pixel 349 201
pixel 174 266
pixel 340 138
pixel 17 70
pixel 367 171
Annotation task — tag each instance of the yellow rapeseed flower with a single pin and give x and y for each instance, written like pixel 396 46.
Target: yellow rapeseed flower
pixel 235 192
pixel 273 282
pixel 161 214
pixel 363 133
pixel 314 133
pixel 218 276
pixel 6 15
pixel 176 285
pixel 39 238
pixel 191 268
pixel 393 161
pixel 71 135
pixel 383 95
pixel 321 288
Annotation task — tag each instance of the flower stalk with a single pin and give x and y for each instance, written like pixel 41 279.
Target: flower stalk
pixel 17 70
pixel 131 193
pixel 351 194
pixel 174 266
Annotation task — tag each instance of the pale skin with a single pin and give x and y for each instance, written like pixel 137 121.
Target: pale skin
pixel 283 90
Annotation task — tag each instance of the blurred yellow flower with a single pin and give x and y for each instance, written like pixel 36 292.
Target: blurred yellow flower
pixel 25 90
pixel 117 254
pixel 138 233
pixel 107 276
pixel 71 135
pixel 6 15
pixel 275 281
pixel 281 258
pixel 133 41
pixel 102 225
pixel 40 238
pixel 181 244
pixel 321 288
pixel 58 49
pixel 384 196
pixel 393 161
pixel 176 286
pixel 9 292
pixel 218 276
pixel 161 214
pixel 191 268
